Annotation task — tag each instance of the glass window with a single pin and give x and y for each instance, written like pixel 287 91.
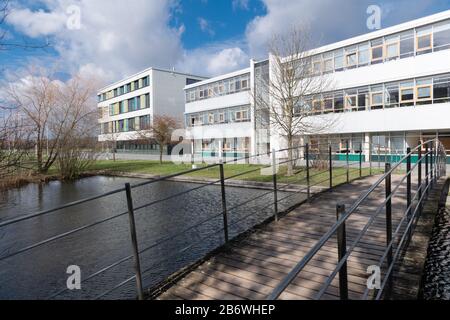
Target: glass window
pixel 339 60
pixel 363 99
pixel 328 64
pixel 407 93
pixel 392 47
pixel 441 89
pixel 338 102
pixel 328 103
pixel 376 96
pixel 392 95
pixel 424 40
pixel 363 54
pixel 317 65
pixel 377 51
pixel 424 91
pixel 441 36
pixel 407 44
pixel 351 57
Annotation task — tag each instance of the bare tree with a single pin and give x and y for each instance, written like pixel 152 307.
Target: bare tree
pixel 14 144
pixel 55 110
pixel 159 131
pixel 286 95
pixel 111 141
pixel 5 44
pixel 35 98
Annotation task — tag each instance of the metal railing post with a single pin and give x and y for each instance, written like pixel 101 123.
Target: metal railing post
pixel 360 162
pixel 419 175
pixel 348 164
pixel 275 189
pixel 330 155
pixel 427 168
pixel 388 185
pixel 224 202
pixel 342 251
pixel 432 164
pixel 408 185
pixel 134 242
pixel 307 171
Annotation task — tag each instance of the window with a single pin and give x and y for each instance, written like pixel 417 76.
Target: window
pixel 328 65
pixel 244 84
pixel 407 94
pixel 317 105
pixel 376 98
pixel 350 103
pixel 363 55
pixel 129 87
pixel 121 126
pixel 392 95
pixel 338 102
pixel 147 101
pixel 136 85
pixel 407 44
pixel 211 118
pixel 317 65
pixel 339 60
pixel 131 124
pixel 377 51
pixel 144 122
pixel 221 117
pixel 351 58
pixel 441 89
pixel 392 48
pixel 424 91
pixel 328 103
pixel 145 81
pixel 441 36
pixel 424 40
pixel 363 99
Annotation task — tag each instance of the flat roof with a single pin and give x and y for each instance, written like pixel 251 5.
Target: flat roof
pixel 110 86
pixel 383 32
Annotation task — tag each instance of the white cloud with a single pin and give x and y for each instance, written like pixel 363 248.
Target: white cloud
pixel 37 23
pixel 240 4
pixel 205 26
pixel 116 37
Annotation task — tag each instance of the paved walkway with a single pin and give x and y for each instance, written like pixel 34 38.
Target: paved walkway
pixel 252 267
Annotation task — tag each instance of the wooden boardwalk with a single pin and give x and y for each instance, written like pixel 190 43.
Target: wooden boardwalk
pixel 254 266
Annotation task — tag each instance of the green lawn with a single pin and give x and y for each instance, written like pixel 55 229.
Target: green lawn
pixel 245 172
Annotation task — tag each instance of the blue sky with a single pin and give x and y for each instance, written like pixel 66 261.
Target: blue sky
pixel 117 38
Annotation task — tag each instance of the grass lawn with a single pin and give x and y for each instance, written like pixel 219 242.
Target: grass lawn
pixel 246 172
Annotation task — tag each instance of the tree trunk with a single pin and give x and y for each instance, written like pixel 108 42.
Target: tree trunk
pixel 161 151
pixel 290 164
pixel 39 153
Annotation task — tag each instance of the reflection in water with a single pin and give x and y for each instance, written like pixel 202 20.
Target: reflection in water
pixel 39 273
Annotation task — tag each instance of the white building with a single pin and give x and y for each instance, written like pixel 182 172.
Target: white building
pixel 391 88
pixel 130 105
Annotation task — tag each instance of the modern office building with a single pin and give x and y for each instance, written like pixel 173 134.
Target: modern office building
pixel 130 105
pixel 391 88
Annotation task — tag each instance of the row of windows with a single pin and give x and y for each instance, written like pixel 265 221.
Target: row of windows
pixel 130 105
pixel 127 88
pixel 221 116
pixel 126 125
pixel 410 43
pixel 381 96
pixel 219 88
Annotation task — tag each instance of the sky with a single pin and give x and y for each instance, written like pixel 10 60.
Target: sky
pixel 115 38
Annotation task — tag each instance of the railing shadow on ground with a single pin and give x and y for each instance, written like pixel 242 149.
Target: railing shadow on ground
pixel 220 227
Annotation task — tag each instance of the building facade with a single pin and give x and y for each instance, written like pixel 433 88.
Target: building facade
pixel 391 89
pixel 130 105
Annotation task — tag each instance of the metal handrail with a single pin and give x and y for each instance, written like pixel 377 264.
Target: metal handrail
pixel 343 218
pixel 138 276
